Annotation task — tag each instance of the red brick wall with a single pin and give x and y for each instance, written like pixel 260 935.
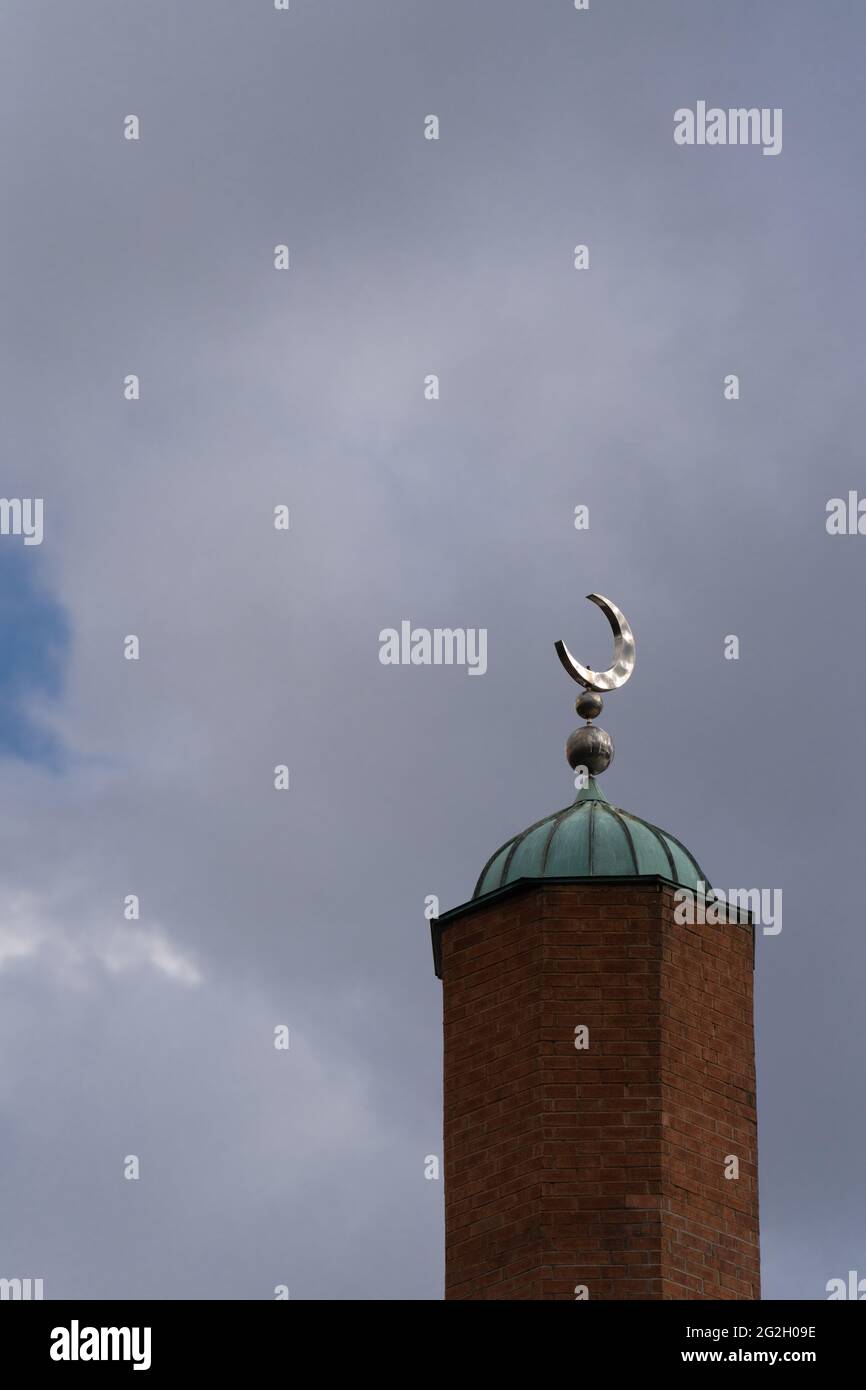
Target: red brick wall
pixel 603 1167
pixel 708 1111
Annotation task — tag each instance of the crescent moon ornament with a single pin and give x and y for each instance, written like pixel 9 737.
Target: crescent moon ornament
pixel 623 652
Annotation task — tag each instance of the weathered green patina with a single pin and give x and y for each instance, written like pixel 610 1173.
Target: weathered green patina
pixel 590 839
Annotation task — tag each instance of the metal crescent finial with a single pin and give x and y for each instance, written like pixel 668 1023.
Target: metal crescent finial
pixel 623 652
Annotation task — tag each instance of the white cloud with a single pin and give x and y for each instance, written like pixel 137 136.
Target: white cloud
pixel 33 930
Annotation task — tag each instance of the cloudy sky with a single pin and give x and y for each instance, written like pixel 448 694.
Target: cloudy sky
pixel 305 387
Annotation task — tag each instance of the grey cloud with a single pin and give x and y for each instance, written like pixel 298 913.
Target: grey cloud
pixel 602 387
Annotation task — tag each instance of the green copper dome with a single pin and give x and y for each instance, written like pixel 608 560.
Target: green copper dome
pixel 590 839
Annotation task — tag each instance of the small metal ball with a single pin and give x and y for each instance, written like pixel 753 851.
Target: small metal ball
pixel 591 748
pixel 589 705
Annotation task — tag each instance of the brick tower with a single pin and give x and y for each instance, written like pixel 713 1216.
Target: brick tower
pixel 599 1074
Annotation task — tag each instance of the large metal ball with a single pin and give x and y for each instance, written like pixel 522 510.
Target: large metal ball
pixel 589 704
pixel 591 748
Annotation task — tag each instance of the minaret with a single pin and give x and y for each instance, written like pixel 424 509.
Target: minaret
pixel 600 1130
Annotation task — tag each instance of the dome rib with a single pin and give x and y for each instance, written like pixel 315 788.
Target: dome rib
pixel 694 863
pixel 666 835
pixel 512 845
pixel 503 876
pixel 621 818
pixel 491 861
pixel 519 839
pixel 557 820
pixel 662 837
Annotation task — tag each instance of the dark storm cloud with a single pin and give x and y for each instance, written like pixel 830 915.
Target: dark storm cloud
pixel 557 388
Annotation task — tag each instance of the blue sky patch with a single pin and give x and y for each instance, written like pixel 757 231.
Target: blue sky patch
pixel 34 646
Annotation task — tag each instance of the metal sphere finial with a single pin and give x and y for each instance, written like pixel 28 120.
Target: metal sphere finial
pixel 591 748
pixel 589 705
